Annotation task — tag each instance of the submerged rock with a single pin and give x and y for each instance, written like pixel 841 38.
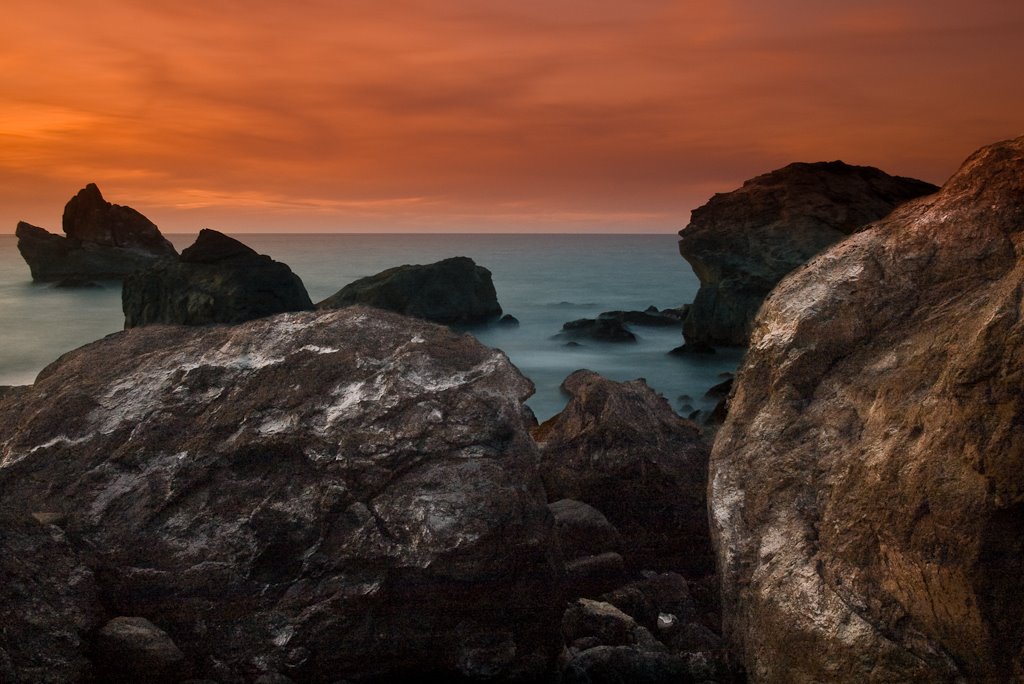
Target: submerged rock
pixel 867 489
pixel 620 447
pixel 320 495
pixel 741 243
pixel 216 280
pixel 652 317
pixel 103 241
pixel 454 290
pixel 599 330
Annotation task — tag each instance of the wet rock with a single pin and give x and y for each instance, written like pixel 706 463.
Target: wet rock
pixel 620 448
pixel 133 649
pixel 454 290
pixel 323 495
pixel 217 280
pixel 741 243
pixel 104 241
pixel 48 603
pixel 509 321
pixel 599 330
pixel 867 499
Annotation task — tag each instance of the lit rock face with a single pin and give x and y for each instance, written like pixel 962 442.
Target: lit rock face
pixel 322 495
pixel 103 240
pixel 867 488
pixel 216 280
pixel 741 243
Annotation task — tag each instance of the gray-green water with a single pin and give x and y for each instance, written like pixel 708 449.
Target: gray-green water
pixel 543 280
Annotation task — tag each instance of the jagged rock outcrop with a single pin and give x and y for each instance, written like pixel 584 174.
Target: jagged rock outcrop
pixel 454 290
pixel 216 280
pixel 619 447
pixel 103 241
pixel 320 495
pixel 48 602
pixel 867 490
pixel 741 243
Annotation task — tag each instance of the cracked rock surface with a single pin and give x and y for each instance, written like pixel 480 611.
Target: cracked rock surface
pixel 867 487
pixel 317 495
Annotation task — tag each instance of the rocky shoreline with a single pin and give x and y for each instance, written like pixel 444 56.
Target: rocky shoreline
pixel 352 494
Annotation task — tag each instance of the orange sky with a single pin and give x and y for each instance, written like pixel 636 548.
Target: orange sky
pixel 482 115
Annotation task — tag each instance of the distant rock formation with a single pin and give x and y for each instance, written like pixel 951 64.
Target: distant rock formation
pixel 315 497
pixel 867 487
pixel 651 317
pixel 216 280
pixel 620 448
pixel 104 241
pixel 741 243
pixel 454 290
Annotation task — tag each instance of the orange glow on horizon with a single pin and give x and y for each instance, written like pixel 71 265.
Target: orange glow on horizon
pixel 475 115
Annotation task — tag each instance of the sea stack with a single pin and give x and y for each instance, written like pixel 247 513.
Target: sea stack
pixel 867 487
pixel 216 280
pixel 741 243
pixel 103 241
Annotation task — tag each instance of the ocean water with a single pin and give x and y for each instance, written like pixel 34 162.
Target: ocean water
pixel 543 280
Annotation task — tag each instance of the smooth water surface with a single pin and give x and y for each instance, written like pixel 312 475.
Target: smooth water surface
pixel 543 280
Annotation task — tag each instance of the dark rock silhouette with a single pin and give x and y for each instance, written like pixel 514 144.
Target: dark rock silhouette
pixel 596 329
pixel 866 488
pixel 104 241
pixel 741 243
pixel 454 290
pixel 621 448
pixel 651 316
pixel 216 280
pixel 319 495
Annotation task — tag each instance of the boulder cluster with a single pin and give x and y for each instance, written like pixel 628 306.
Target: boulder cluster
pixel 358 495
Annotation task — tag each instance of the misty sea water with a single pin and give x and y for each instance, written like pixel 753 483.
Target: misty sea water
pixel 543 280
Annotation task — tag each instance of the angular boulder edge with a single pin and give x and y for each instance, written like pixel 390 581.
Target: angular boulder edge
pixel 867 487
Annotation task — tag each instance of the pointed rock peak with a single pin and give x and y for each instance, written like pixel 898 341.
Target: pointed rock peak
pixel 212 246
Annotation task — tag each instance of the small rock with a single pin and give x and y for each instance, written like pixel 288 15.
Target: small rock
pixel 508 321
pixel 133 649
pixel 588 618
pixel 591 576
pixel 624 664
pixel 582 529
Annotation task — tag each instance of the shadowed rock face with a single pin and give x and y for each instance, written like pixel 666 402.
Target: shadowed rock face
pixel 741 243
pixel 103 240
pixel 48 603
pixel 454 290
pixel 867 487
pixel 620 448
pixel 217 280
pixel 323 495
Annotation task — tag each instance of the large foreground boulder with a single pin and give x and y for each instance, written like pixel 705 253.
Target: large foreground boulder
pixel 103 240
pixel 867 490
pixel 323 495
pixel 454 290
pixel 620 447
pixel 216 280
pixel 48 602
pixel 741 243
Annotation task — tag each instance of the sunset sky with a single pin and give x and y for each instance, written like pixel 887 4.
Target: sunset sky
pixel 480 115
